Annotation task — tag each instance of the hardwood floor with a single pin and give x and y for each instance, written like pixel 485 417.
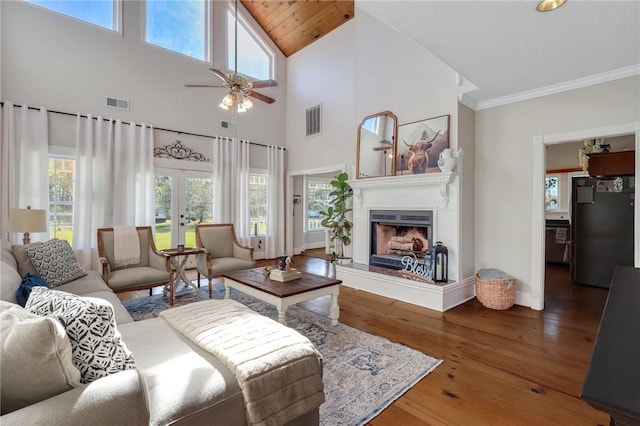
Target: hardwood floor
pixel 514 367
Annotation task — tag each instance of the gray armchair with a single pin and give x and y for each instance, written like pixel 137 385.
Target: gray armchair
pixel 223 253
pixel 152 271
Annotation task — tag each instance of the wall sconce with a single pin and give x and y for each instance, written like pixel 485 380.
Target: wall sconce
pixel 27 220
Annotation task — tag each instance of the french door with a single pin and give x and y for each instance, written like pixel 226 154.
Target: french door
pixel 184 198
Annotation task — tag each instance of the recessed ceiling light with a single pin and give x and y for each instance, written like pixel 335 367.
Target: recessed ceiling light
pixel 547 5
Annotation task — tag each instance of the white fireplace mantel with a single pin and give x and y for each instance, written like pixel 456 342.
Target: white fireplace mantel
pixel 441 179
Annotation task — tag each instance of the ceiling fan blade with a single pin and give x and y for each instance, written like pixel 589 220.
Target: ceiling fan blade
pixel 261 97
pixel 264 83
pixel 221 75
pixel 203 85
pixel 383 148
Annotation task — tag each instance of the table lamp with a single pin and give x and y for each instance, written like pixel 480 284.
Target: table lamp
pixel 27 220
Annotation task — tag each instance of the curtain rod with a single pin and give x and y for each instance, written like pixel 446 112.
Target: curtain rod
pixel 138 125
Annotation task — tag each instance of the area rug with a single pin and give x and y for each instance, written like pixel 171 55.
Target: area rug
pixel 363 373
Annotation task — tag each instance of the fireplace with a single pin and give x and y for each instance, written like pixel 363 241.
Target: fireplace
pixel 399 233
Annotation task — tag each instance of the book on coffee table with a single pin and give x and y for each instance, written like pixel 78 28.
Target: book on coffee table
pixel 284 276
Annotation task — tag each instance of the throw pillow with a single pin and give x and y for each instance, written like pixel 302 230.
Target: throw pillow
pixel 96 345
pixel 35 358
pixel 28 282
pixel 55 262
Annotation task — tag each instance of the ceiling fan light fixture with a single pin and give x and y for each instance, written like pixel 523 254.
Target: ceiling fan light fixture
pixel 548 5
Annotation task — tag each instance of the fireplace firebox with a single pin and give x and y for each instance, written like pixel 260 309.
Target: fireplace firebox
pixel 399 233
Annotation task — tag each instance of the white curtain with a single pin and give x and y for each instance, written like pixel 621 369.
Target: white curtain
pixel 114 181
pixel 275 245
pixel 231 185
pixel 25 162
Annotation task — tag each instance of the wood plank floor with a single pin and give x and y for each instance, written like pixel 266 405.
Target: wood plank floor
pixel 514 367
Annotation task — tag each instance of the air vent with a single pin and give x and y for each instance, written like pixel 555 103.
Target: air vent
pixel 313 120
pixel 229 125
pixel 112 102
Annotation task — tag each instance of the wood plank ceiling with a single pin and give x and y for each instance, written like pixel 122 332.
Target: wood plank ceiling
pixel 294 24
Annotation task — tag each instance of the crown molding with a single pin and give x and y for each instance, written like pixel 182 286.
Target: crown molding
pixel 560 87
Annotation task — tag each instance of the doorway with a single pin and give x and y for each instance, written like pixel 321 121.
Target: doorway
pixel 296 210
pixel 183 198
pixel 540 143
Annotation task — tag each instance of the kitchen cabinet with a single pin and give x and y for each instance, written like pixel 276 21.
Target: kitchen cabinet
pixel 614 163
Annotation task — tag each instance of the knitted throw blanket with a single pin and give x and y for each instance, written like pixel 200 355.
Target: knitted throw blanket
pixel 279 370
pixel 126 246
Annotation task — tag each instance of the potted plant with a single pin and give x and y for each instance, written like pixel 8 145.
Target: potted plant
pixel 335 217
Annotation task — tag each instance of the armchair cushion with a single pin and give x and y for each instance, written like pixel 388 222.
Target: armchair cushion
pixel 124 278
pixel 229 264
pixel 36 358
pixel 55 262
pixel 96 345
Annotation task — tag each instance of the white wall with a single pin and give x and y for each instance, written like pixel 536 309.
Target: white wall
pixel 362 68
pixel 503 164
pixel 63 64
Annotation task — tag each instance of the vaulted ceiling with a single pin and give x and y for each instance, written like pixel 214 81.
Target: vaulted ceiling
pixel 294 24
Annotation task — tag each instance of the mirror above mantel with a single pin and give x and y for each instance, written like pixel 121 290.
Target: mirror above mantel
pixel 377 134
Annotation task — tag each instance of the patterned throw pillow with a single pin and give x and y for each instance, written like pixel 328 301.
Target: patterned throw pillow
pixel 55 262
pixel 96 346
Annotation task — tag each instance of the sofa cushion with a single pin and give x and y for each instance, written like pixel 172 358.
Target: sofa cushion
pixel 97 347
pixel 35 358
pixel 6 255
pixel 24 263
pixel 90 283
pixel 9 282
pixel 192 387
pixel 121 314
pixel 55 262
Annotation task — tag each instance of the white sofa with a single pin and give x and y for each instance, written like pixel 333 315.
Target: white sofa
pixel 176 382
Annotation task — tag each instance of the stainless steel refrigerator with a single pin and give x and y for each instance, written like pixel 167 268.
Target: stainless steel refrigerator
pixel 601 228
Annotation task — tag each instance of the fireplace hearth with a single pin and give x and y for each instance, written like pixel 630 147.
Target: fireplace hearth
pixel 399 233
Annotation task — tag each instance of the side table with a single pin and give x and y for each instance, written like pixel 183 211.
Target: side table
pixel 178 265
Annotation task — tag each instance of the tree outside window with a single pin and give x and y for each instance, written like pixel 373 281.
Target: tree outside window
pixel 317 200
pixel 551 193
pixel 258 197
pixel 61 189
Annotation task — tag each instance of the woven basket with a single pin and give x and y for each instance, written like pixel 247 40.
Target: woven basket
pixel 495 290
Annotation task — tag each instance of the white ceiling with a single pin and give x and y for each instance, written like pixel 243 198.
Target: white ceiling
pixel 509 51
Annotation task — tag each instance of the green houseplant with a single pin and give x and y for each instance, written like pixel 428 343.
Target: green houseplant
pixel 335 217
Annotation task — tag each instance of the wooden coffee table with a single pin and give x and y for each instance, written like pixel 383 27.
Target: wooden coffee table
pixel 255 283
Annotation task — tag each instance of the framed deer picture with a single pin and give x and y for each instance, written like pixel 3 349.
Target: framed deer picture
pixel 419 145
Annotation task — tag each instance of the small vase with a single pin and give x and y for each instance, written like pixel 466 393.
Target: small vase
pixel 447 161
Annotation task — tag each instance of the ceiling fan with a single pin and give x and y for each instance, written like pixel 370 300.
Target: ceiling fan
pixel 240 87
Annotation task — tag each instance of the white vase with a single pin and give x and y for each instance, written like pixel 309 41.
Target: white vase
pixel 448 161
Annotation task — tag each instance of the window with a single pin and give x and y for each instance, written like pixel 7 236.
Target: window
pixel 61 187
pixel 255 59
pixel 317 200
pixel 178 25
pixel 552 193
pixel 258 190
pixel 372 124
pixel 103 13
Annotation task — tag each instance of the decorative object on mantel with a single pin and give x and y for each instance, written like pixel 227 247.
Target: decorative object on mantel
pixel 423 141
pixel 179 152
pixel 449 159
pixel 335 217
pixel 590 146
pixel 377 135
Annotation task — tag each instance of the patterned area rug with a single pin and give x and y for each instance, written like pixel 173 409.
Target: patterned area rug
pixel 363 373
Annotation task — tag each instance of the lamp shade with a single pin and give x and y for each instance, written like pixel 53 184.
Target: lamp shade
pixel 27 220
